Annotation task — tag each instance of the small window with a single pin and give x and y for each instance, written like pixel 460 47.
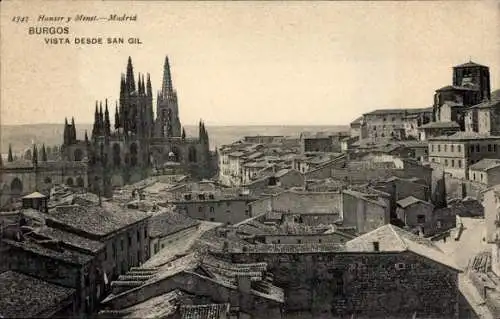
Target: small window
pixel 212 209
pixel 129 240
pixel 420 219
pixel 459 148
pixel 478 148
pixel 459 162
pixel 439 147
pixel 472 148
pixel 200 209
pixel 452 163
pixel 400 266
pixel 489 148
pixel 452 148
pixel 299 241
pixel 446 162
pixel 445 147
pixel 494 147
pixel 432 147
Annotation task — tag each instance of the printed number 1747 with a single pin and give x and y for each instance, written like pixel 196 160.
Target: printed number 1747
pixel 19 19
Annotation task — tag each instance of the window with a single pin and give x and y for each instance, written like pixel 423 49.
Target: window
pixel 145 232
pixel 439 147
pixel 452 148
pixel 446 162
pixel 474 176
pixel 393 119
pixel 432 147
pixel 459 162
pixel 420 219
pixel 489 148
pixel 459 148
pixel 439 224
pixel 299 241
pixel 472 148
pixel 212 209
pixel 445 147
pixel 481 176
pixel 129 240
pixel 452 163
pixel 200 209
pixel 400 266
pixel 114 250
pixel 478 148
pixel 138 236
pixel 494 147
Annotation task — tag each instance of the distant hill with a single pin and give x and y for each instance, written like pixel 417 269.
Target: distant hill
pixel 22 136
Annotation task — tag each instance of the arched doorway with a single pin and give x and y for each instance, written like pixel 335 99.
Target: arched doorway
pixel 16 187
pixel 116 155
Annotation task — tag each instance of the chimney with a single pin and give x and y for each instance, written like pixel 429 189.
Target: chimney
pixel 376 246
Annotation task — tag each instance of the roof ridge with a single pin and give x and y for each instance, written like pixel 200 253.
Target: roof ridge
pixel 398 236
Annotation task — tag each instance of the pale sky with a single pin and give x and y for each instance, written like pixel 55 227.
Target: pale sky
pixel 248 63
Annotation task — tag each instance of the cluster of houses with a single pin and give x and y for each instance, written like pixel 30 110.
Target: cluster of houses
pixel 323 225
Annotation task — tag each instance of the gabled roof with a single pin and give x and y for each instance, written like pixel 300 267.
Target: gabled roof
pixel 395 239
pixel 410 200
pixel 35 195
pixel 485 164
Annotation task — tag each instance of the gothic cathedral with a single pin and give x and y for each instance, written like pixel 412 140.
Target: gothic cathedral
pixel 138 144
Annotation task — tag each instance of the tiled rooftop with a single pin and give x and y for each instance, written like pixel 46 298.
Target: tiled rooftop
pixel 23 296
pixel 441 125
pixel 485 164
pixel 410 200
pixel 168 222
pixel 210 311
pixel 98 220
pixel 465 136
pixel 394 239
pixel 63 254
pixel 92 246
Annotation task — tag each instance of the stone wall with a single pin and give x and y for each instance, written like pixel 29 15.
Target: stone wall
pixel 297 202
pixel 363 214
pixel 333 284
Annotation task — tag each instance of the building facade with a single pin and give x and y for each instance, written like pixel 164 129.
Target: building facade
pixel 455 153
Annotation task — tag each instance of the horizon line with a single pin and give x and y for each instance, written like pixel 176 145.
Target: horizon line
pixel 213 125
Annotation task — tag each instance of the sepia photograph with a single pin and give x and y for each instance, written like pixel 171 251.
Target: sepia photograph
pixel 250 159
